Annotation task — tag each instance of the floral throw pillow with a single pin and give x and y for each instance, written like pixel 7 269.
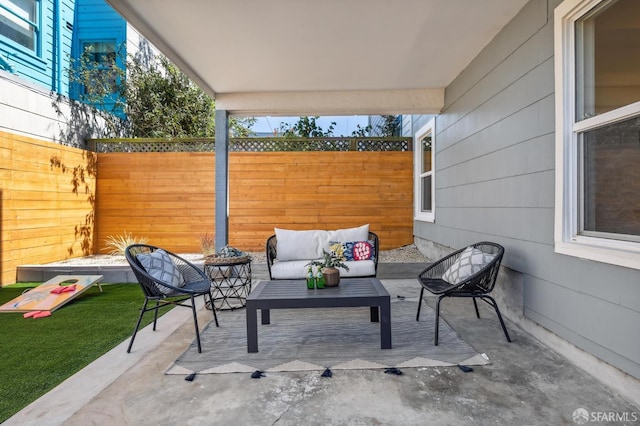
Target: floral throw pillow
pixel 470 261
pixel 359 250
pixel 338 249
pixel 353 250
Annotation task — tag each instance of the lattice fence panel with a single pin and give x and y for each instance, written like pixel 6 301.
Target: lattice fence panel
pixel 152 145
pixel 379 144
pixel 253 144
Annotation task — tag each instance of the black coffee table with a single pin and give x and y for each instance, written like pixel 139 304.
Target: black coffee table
pixel 287 294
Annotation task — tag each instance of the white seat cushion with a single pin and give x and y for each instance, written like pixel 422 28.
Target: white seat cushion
pixel 297 269
pixel 358 268
pixel 290 270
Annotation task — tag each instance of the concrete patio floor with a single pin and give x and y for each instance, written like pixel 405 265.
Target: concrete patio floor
pixel 525 384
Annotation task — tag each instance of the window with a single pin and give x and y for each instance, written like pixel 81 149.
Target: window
pixel 597 46
pixel 98 75
pixel 100 58
pixel 19 22
pixel 424 144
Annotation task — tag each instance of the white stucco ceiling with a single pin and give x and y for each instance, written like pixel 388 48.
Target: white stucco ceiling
pixel 303 55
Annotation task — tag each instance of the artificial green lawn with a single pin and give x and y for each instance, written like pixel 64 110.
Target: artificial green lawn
pixel 38 354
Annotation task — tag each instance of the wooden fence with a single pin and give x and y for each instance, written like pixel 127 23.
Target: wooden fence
pixel 166 197
pixel 320 190
pixel 61 202
pixel 169 198
pixel 47 210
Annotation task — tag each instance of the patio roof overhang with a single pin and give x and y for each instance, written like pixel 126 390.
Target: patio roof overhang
pixel 317 57
pixel 322 57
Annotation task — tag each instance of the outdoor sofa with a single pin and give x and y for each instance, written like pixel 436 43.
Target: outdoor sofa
pixel 290 251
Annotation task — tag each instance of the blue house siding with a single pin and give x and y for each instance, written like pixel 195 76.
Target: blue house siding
pixel 63 25
pixel 96 21
pixel 32 65
pixel 44 66
pixel 30 82
pixel 495 171
pixel 66 31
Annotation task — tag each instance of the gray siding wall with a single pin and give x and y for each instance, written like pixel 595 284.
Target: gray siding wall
pixel 495 181
pixel 407 125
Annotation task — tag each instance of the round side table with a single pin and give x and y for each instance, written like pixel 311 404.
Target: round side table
pixel 230 282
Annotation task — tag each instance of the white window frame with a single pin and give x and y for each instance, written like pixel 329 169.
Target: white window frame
pixel 20 17
pixel 428 128
pixel 568 241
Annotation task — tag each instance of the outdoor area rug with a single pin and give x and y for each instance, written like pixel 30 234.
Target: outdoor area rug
pixel 335 338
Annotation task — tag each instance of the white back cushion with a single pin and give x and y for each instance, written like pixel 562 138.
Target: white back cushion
pixel 360 233
pixel 307 245
pixel 300 245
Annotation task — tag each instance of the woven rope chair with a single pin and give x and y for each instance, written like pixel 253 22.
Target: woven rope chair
pixel 477 286
pixel 196 284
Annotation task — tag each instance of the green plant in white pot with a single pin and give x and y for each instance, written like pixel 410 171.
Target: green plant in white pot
pixel 329 265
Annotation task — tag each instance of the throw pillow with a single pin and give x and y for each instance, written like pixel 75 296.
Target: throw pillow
pixel 470 261
pixel 359 250
pixel 338 249
pixel 159 265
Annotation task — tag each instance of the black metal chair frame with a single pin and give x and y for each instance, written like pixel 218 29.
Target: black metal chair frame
pixel 477 286
pixel 272 252
pixel 196 284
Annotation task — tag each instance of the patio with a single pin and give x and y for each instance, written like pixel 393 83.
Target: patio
pixel 526 383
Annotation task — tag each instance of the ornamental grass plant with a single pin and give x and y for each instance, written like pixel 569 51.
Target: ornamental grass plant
pixel 38 354
pixel 116 244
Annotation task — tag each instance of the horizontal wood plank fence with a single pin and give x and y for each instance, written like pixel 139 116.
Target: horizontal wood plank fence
pixel 47 196
pixel 61 202
pixel 169 198
pixel 320 190
pixel 166 197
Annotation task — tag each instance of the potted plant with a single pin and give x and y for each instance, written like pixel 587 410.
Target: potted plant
pixel 329 265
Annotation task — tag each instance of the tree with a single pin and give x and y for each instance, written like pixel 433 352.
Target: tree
pixel 306 127
pixel 361 132
pixel 153 98
pixel 96 79
pixel 390 126
pixel 161 101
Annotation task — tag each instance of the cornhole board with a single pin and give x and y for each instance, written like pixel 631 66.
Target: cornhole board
pixel 40 298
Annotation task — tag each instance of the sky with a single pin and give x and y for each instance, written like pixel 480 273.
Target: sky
pixel 344 124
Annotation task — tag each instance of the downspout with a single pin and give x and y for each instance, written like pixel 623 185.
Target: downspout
pixel 55 78
pixel 59 41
